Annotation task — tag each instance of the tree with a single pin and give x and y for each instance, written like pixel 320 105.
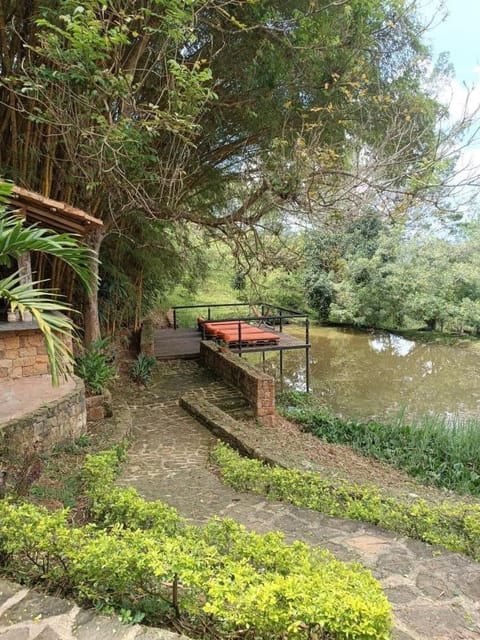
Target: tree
pixel 216 114
pixel 47 309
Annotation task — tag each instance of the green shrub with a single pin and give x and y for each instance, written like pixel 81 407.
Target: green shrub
pixel 94 366
pixel 453 526
pixel 143 560
pixel 142 369
pixel 431 449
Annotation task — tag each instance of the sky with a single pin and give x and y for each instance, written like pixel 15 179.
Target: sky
pixel 459 35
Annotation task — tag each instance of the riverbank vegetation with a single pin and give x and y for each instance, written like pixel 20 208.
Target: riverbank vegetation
pixel 143 561
pixel 435 451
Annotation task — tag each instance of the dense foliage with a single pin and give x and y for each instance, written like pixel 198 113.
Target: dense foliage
pixel 167 118
pixel 143 561
pixel 433 450
pixel 454 526
pixel 370 273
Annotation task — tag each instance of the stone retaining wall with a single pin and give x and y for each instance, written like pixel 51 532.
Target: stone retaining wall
pixel 61 419
pixel 256 387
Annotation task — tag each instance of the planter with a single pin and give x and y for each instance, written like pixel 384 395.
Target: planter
pixel 99 406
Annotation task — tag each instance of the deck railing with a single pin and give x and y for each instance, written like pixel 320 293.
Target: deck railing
pixel 277 318
pixel 268 314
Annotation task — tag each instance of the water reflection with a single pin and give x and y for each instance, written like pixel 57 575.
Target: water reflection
pixel 396 344
pixel 375 375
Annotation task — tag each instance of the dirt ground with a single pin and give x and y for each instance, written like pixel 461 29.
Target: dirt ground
pixel 285 439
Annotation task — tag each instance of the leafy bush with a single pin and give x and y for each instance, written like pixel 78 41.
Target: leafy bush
pixel 142 369
pixel 94 366
pixel 432 450
pixel 453 526
pixel 143 560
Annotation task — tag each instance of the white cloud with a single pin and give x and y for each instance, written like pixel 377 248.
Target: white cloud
pixel 462 101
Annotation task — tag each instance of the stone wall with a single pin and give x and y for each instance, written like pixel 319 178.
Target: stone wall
pixel 146 338
pixel 256 387
pixel 22 354
pixel 58 420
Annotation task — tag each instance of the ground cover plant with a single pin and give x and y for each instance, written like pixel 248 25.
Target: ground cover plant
pixel 140 559
pixel 437 452
pixel 455 526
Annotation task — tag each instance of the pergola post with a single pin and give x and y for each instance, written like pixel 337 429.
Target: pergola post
pixel 25 269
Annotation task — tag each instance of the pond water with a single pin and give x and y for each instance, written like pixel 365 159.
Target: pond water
pixel 359 374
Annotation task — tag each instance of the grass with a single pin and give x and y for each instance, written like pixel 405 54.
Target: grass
pixel 216 288
pixel 437 452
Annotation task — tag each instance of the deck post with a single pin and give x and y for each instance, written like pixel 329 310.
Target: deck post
pixel 281 370
pixel 209 314
pixel 240 339
pixel 174 319
pixel 307 355
pixel 281 321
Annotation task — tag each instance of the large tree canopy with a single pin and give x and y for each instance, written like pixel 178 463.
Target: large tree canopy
pixel 215 113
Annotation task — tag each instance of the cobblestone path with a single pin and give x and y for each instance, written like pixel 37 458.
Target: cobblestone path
pixel 435 594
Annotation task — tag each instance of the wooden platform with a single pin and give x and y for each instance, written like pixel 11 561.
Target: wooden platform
pixel 173 344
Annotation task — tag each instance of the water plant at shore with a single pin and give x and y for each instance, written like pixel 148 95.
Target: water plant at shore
pixel 435 451
pixel 219 581
pixel 454 526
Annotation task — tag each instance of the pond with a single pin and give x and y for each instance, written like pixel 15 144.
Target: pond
pixel 360 374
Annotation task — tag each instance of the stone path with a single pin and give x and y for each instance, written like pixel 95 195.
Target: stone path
pixel 435 594
pixel 29 615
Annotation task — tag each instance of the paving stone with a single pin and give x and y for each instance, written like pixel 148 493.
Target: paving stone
pixel 401 635
pixel 400 595
pixel 438 588
pixel 48 634
pixel 15 634
pixel 7 590
pixel 35 606
pixel 103 628
pixel 438 622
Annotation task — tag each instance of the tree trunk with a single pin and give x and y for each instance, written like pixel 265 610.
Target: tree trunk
pixel 91 322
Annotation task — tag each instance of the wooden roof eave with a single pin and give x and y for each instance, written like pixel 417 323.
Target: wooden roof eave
pixel 53 213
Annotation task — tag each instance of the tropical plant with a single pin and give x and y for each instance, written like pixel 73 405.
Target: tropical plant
pixel 45 305
pixel 142 369
pixel 94 366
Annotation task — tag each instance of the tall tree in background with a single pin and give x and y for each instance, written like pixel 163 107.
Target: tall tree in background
pixel 214 114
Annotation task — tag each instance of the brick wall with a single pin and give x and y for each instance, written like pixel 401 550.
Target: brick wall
pixel 22 354
pixel 256 387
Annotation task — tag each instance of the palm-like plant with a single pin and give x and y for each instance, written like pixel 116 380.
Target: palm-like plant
pixel 44 304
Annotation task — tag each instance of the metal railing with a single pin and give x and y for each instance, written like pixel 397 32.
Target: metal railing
pixel 282 315
pixel 270 320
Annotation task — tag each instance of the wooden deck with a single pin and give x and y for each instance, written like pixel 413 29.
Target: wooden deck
pixel 171 344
